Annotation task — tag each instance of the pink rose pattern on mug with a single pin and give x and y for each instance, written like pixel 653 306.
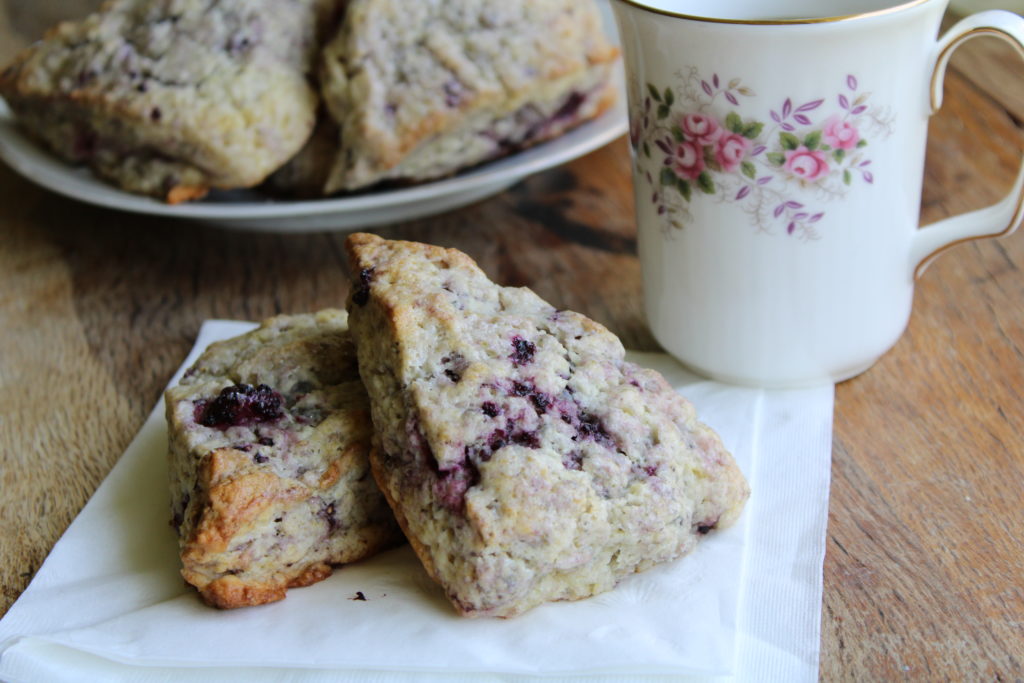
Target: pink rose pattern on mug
pixel 809 153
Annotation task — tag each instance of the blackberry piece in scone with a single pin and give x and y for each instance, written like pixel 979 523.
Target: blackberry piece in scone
pixel 270 484
pixel 524 458
pixel 423 89
pixel 171 98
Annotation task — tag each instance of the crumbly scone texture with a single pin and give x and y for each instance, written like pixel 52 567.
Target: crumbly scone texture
pixel 171 98
pixel 269 434
pixel 422 89
pixel 524 458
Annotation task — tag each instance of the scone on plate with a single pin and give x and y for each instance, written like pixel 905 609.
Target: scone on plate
pixel 270 485
pixel 305 174
pixel 171 98
pixel 423 89
pixel 524 458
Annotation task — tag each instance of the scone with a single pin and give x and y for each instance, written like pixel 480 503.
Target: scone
pixel 423 89
pixel 305 174
pixel 171 98
pixel 524 458
pixel 270 485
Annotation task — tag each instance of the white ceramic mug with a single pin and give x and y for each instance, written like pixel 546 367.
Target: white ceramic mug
pixel 778 160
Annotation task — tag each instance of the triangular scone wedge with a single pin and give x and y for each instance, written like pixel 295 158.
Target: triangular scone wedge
pixel 423 89
pixel 269 434
pixel 524 458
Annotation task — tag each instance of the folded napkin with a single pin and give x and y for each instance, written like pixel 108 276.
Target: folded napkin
pixel 109 604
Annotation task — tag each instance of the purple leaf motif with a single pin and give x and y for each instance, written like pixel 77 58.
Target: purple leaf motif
pixel 787 108
pixel 802 120
pixel 663 147
pixel 732 98
pixel 790 228
pixel 757 150
pixel 779 209
pixel 766 179
pixel 851 82
pixel 859 110
pixel 793 205
pixel 744 191
pixel 714 79
pixel 775 117
pixel 706 87
pixel 868 177
pixel 864 163
pixel 788 128
pixel 843 102
pixel 814 104
pixel 800 216
pixel 816 217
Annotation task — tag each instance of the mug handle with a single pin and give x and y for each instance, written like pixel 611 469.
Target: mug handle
pixel 1003 217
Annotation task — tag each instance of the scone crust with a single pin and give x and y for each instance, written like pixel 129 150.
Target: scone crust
pixel 267 504
pixel 174 97
pixel 524 458
pixel 423 89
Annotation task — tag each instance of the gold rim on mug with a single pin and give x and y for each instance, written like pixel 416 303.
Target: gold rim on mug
pixel 773 22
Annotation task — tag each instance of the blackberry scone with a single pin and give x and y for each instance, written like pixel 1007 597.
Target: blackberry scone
pixel 524 458
pixel 423 89
pixel 305 174
pixel 269 434
pixel 171 98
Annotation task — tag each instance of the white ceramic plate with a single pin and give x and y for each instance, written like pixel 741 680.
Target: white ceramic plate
pixel 248 209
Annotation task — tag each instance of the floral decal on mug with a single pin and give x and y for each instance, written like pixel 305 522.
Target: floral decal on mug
pixel 806 153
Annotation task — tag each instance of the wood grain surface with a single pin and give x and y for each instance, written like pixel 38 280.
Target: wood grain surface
pixel 924 567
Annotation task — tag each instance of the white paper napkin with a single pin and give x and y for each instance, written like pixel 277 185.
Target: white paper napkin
pixel 108 603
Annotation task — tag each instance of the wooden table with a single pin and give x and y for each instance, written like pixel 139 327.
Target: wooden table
pixel 924 568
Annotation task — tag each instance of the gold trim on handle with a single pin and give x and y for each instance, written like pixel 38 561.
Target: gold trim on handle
pixel 773 22
pixel 1018 214
pixel 943 58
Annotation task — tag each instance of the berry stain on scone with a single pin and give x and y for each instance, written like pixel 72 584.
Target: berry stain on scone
pixel 270 483
pixel 524 458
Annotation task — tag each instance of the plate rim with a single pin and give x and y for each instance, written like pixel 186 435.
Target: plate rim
pixel 31 161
